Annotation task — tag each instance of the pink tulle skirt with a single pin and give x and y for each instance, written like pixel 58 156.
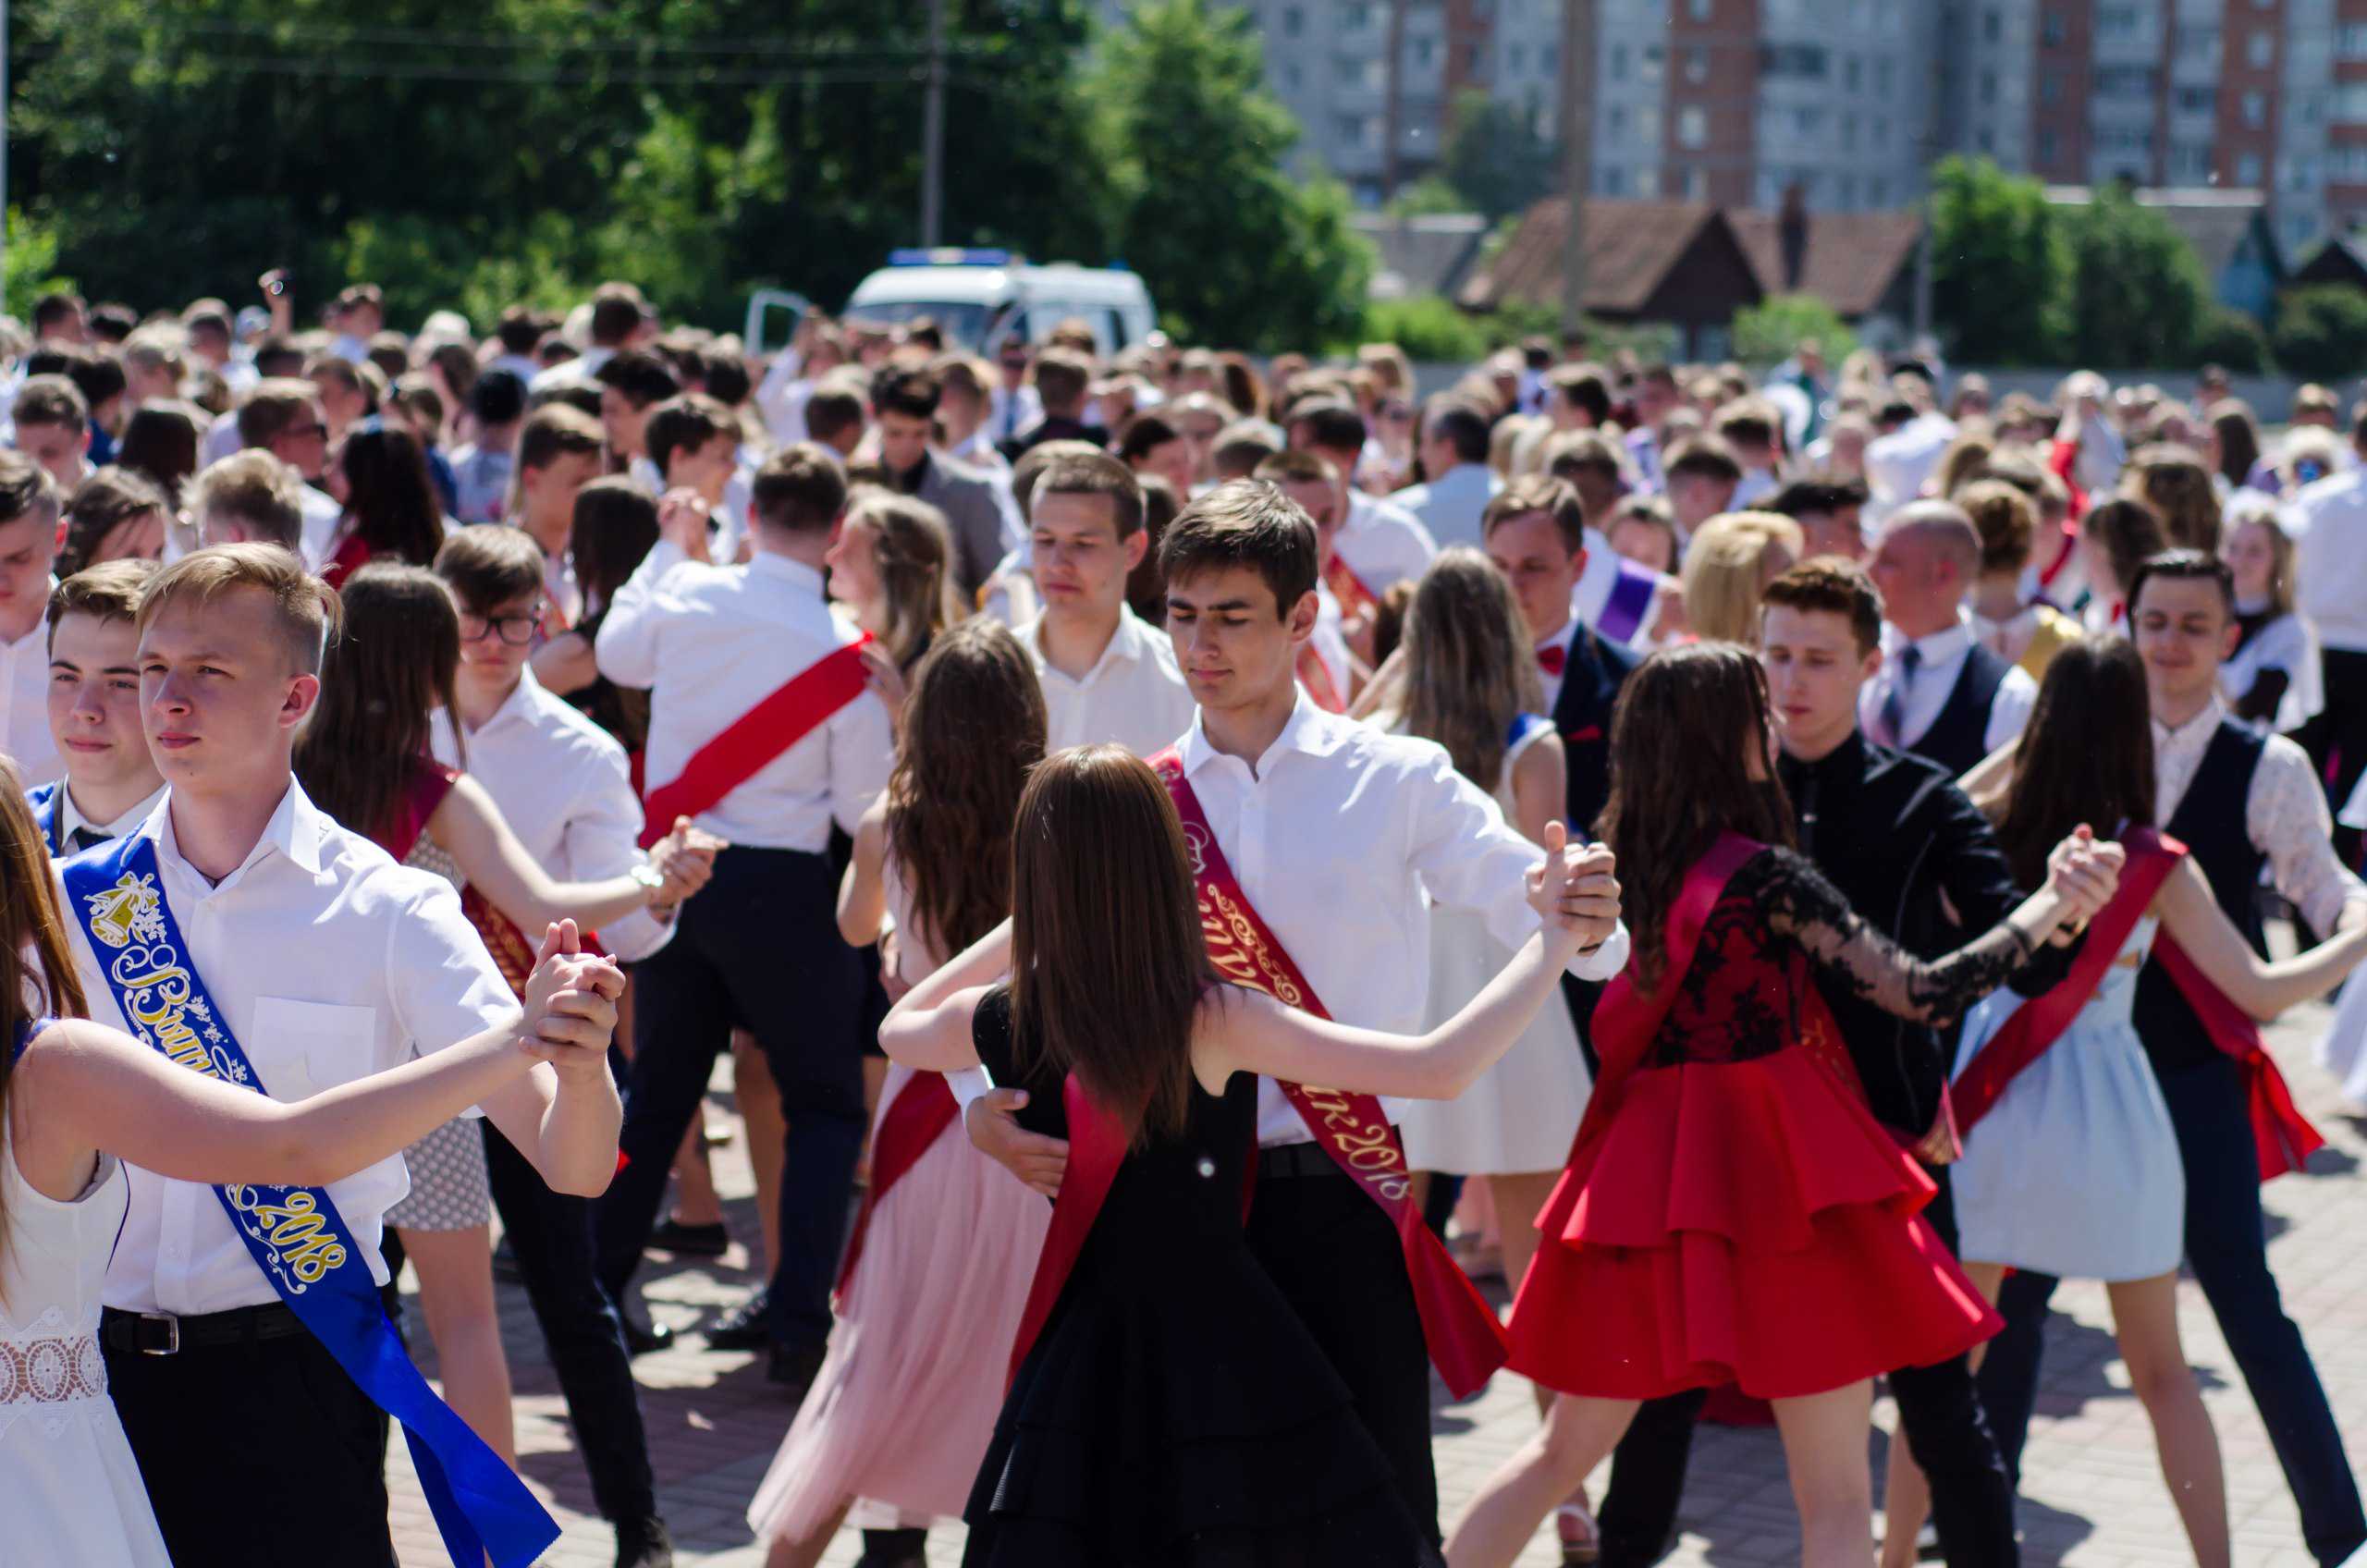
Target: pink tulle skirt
pixel 905 1404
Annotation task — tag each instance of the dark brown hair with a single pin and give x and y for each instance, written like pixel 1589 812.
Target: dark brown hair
pixel 160 441
pixel 2006 519
pixel 1093 473
pixel 2087 754
pixel 391 667
pixel 109 498
pixel 801 489
pixel 487 566
pixel 2131 533
pixel 1831 584
pixel 389 499
pixel 1108 961
pixel 1557 498
pixel 1246 522
pixel 970 731
pixel 1687 712
pixel 109 591
pixel 687 421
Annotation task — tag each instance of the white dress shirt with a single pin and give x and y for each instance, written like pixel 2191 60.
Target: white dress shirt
pixel 563 785
pixel 1942 656
pixel 24 705
pixel 2285 815
pixel 1336 838
pixel 329 962
pixel 1898 463
pixel 1449 506
pixel 2330 559
pixel 70 818
pixel 1134 696
pixel 1008 413
pixel 709 642
pixel 1383 544
pixel 728 523
pixel 1590 595
pixel 322 516
pixel 582 370
pixel 1562 639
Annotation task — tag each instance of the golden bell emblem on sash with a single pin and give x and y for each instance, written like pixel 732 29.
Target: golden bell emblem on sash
pixel 124 911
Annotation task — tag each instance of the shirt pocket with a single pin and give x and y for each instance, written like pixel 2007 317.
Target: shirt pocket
pixel 299 1049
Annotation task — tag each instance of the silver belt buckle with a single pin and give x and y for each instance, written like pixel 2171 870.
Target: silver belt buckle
pixel 172 1333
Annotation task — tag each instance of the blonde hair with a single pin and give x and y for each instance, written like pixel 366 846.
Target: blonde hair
pixel 306 607
pixel 911 550
pixel 1730 560
pixel 1468 669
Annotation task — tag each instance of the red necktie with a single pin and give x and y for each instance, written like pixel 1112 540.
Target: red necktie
pixel 1552 659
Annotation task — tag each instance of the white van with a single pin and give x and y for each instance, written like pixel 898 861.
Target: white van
pixel 980 297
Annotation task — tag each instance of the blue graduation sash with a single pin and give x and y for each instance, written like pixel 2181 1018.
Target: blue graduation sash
pixel 299 1240
pixel 42 797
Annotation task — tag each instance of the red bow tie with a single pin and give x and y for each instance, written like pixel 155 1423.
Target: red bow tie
pixel 1552 659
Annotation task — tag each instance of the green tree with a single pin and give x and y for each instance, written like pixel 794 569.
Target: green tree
pixel 2136 294
pixel 1766 333
pixel 1235 248
pixel 1999 264
pixel 2322 331
pixel 2228 336
pixel 1495 158
pixel 30 264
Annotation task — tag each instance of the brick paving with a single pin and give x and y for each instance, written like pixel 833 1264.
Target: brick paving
pixel 2093 1498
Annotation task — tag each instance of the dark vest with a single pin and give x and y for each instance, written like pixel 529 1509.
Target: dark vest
pixel 1590 683
pixel 2210 822
pixel 1959 737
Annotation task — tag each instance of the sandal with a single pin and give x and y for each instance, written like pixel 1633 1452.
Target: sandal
pixel 1581 1545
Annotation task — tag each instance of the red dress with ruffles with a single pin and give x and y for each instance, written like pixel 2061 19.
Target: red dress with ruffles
pixel 1731 1214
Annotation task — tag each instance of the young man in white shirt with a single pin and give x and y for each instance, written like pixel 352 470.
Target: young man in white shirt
pixel 53 427
pixel 631 383
pixel 1106 675
pixel 1336 832
pixel 559 451
pixel 284 417
pixel 1939 694
pixel 566 788
pixel 1700 477
pixel 326 961
pixel 111 782
pixel 1328 667
pixel 1381 542
pixel 30 535
pixel 691 442
pixel 2330 590
pixel 717 647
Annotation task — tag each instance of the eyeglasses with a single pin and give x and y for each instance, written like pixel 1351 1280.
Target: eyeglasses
pixel 307 432
pixel 515 630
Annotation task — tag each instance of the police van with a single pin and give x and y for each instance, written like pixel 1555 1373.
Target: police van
pixel 981 298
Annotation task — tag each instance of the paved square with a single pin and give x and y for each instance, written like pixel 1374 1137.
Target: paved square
pixel 2093 1498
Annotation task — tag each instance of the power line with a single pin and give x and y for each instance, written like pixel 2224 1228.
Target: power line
pixel 654 44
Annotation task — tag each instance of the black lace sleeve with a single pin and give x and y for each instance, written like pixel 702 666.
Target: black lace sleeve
pixel 1799 904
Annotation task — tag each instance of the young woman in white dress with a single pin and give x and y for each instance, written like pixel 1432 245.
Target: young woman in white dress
pixel 2076 1171
pixel 78 1099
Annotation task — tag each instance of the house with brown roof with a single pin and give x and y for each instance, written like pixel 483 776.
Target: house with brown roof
pixel 1860 264
pixel 1672 263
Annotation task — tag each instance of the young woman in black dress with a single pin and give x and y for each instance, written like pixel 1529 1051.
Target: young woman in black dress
pixel 1173 1410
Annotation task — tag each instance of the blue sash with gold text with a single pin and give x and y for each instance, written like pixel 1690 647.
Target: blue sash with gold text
pixel 42 797
pixel 298 1238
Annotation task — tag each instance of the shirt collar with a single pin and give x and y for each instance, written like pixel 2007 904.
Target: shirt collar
pixel 70 816
pixel 1564 638
pixel 1937 648
pixel 1125 642
pixel 1308 729
pixel 296 830
pixel 2194 732
pixel 795 574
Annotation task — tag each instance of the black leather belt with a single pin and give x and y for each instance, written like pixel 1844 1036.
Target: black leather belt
pixel 1295 1159
pixel 160 1333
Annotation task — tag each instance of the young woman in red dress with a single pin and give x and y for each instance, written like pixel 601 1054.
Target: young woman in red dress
pixel 1731 1212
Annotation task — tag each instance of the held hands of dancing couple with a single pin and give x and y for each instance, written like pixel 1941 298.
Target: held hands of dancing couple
pixel 1575 891
pixel 83 1087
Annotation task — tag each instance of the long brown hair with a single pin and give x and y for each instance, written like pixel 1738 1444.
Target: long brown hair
pixel 912 553
pixel 1107 960
pixel 391 501
pixel 971 729
pixel 1688 721
pixel 1468 669
pixel 389 670
pixel 2086 755
pixel 37 977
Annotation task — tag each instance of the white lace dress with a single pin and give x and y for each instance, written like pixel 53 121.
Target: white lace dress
pixel 69 1490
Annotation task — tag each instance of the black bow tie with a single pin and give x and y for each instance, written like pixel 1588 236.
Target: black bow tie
pixel 84 838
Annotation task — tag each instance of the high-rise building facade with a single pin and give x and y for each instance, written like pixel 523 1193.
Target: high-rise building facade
pixel 1735 102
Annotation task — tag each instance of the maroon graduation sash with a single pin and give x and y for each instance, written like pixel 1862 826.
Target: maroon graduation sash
pixel 1628 1017
pixel 1316 676
pixel 750 742
pixel 2283 1135
pixel 921 1111
pixel 1466 1343
pixel 2040 1021
pixel 1354 598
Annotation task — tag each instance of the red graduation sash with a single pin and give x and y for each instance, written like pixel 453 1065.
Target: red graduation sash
pixel 922 1111
pixel 750 742
pixel 2282 1133
pixel 1316 676
pixel 1466 1344
pixel 1354 598
pixel 2040 1021
pixel 513 954
pixel 1099 1139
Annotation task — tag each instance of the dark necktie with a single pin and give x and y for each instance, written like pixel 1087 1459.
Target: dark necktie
pixel 1895 703
pixel 84 838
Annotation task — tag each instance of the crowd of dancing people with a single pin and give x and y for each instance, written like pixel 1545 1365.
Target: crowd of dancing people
pixel 1196 867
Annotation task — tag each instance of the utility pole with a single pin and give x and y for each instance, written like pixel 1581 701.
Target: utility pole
pixel 932 128
pixel 3 132
pixel 1392 100
pixel 1577 153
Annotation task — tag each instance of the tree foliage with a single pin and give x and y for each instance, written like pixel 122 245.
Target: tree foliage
pixel 1998 265
pixel 2322 331
pixel 2136 294
pixel 1766 333
pixel 1236 249
pixel 1496 158
pixel 2229 337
